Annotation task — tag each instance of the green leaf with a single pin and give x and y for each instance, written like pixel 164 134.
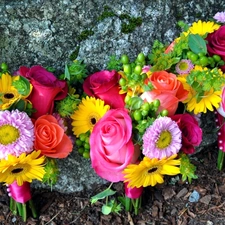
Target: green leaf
pixel 136 102
pixel 107 192
pixel 197 44
pixel 22 85
pixel 187 169
pixel 67 73
pixel 106 210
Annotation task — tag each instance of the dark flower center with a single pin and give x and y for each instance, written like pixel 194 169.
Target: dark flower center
pixel 8 95
pixel 18 170
pixel 93 121
pixel 152 170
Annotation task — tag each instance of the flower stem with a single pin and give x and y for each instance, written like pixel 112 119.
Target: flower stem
pixel 136 203
pixel 33 209
pixel 127 204
pixel 24 211
pixel 12 206
pixel 20 209
pixel 220 159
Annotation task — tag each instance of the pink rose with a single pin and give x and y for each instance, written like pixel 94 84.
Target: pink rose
pixel 191 132
pixel 112 148
pixel 104 85
pixel 46 89
pixel 167 89
pixel 216 43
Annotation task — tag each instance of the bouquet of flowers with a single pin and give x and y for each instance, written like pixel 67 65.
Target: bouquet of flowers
pixel 139 120
pixel 32 134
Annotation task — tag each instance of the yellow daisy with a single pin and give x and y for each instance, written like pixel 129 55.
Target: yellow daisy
pixel 191 92
pixel 149 172
pixel 202 27
pixel 89 112
pixel 8 94
pixel 208 101
pixel 21 169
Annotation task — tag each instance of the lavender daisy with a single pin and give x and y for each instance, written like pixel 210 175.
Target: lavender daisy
pixel 162 138
pixel 184 66
pixel 16 133
pixel 220 17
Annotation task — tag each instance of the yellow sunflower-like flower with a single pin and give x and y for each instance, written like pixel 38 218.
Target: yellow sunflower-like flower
pixel 207 100
pixel 89 111
pixel 149 172
pixel 202 27
pixel 8 93
pixel 24 168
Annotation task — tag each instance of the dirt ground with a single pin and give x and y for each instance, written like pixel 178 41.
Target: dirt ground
pixel 162 205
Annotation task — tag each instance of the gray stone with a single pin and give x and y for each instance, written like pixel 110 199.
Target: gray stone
pixel 46 32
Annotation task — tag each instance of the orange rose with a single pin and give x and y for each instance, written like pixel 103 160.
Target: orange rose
pixel 50 138
pixel 167 89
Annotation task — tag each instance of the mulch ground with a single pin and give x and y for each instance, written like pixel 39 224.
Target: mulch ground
pixel 164 204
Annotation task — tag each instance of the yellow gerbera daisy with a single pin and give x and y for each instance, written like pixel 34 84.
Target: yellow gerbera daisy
pixel 21 169
pixel 202 27
pixel 208 101
pixel 149 172
pixel 89 111
pixel 191 92
pixel 8 93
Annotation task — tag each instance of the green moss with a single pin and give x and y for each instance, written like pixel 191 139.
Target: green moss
pixel 130 24
pixel 75 53
pixel 106 13
pixel 85 34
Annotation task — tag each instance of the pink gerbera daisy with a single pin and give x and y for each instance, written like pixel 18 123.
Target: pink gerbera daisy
pixel 162 138
pixel 16 133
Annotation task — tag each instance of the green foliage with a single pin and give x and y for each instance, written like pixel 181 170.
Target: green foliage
pixel 102 195
pixel 68 105
pixel 52 172
pixel 187 169
pixel 75 72
pixel 110 207
pixel 197 44
pixel 22 85
pixel 205 80
pixel 159 59
pixel 114 63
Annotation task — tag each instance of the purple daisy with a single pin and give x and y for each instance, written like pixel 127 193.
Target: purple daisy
pixel 162 139
pixel 220 17
pixel 184 66
pixel 16 133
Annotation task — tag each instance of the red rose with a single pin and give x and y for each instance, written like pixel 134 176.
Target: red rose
pixel 216 43
pixel 104 85
pixel 191 132
pixel 46 89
